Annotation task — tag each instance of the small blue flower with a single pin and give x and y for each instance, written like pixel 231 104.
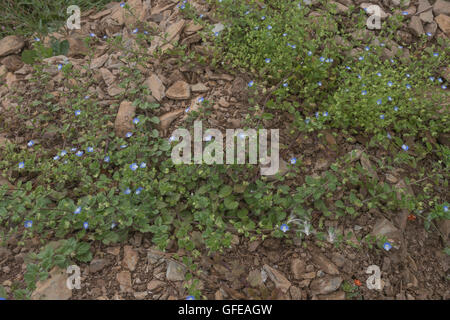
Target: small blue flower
pixel 263 18
pixel 172 138
pixel 105 37
pixel 143 165
pixel 90 149
pixel 285 84
pixel 138 190
pixel 348 68
pixel 133 166
pixel 145 32
pixel 63 153
pixel 322 59
pixel 389 136
pixel 379 74
pixel 37 39
pixel 208 138
pixel 309 53
pixel 85 225
pixel 113 225
pixel 60 66
pixel 200 100
pixel 92 34
pixel 395 108
pixel 128 134
pixel 28 224
pixel 106 159
pixel 307 120
pixel 440 80
pixel 77 210
pixel 429 34
pixel 267 60
pixel 293 160
pixel 436 54
pixel 379 101
pixel 317 115
pixel 408 86
pixel 190 298
pixel 250 84
pixel 367 48
pixel 361 58
pixel 325 114
pixel 408 75
pixel 382 116
pixel 284 34
pixel 136 120
pixel 122 4
pixel 187 109
pixel 405 13
pixel 30 143
pixel 256 28
pixel 359 76
pixel 431 78
pixel 127 191
pixel 56 157
pixel 389 98
pixel 405 147
pixel 389 83
pixel 364 92
pixel 21 165
pixel 123 146
pixel 79 153
pixel 319 84
pixel 284 227
pixel 247 12
pixel 73 149
pixel 269 27
pixel 77 112
pixel 400 47
pixel 445 208
pixel 382 44
pixel 444 86
pixel 216 34
pixel 135 30
pixel 387 246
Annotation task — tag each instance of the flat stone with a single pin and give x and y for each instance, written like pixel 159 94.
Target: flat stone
pixel 99 61
pixel 339 295
pixel 130 258
pixel 425 16
pixel 199 88
pixel 12 62
pixel 416 26
pixel 297 268
pixel 441 7
pixel 156 87
pixel 53 288
pixel 175 271
pixel 325 285
pixel 277 278
pixel 174 29
pixel 124 118
pixel 97 265
pixel 10 44
pixel 124 279
pixel 166 119
pixel 107 76
pixel 155 284
pixel 77 47
pixel 443 22
pixel 325 264
pixel 255 279
pixel 180 90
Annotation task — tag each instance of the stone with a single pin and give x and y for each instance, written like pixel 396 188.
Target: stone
pixel 156 87
pixel 384 228
pixel 255 279
pixel 12 62
pixel 367 165
pixel 441 7
pixel 297 268
pixel 97 265
pixel 175 271
pixel 325 285
pixel 4 252
pixel 77 47
pixel 218 27
pixel 431 28
pixel 174 30
pixel 416 26
pixel 180 90
pixel 443 22
pixel 99 61
pixel 53 288
pixel 340 8
pixel 339 295
pixel 399 3
pixel 107 76
pixel 124 118
pixel 199 88
pixel 10 44
pixel 124 279
pixel 130 258
pixel 296 293
pixel 3 70
pixel 113 250
pixel 166 119
pixel 277 278
pixel 426 14
pixel 140 295
pixel 446 74
pixel 325 264
pixel 155 284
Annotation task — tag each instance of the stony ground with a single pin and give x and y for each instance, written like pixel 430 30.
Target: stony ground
pixel 416 268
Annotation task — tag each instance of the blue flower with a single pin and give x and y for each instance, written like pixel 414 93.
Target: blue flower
pixel 440 80
pixel 92 34
pixel 208 138
pixel 200 100
pixel 113 225
pixel 284 227
pixel 382 44
pixel 172 138
pixel 143 165
pixel 77 112
pixel 128 134
pixel 133 166
pixel 317 114
pixel 431 78
pixel 135 30
pixel 285 84
pixel 389 98
pixel 37 39
pixel 379 74
pixel 429 34
pixel 28 224
pixel 269 27
pixel 105 37
pixel 405 147
pixel 85 225
pixel 293 160
pixel 400 47
pixel 256 28
pixel 190 298
pixel 382 116
pixel 216 34
pixel 364 92
pixel 367 48
pixel 379 101
pixel 187 109
pixel 73 149
pixel 123 146
pixel 79 153
pixel 263 18
pixel 127 191
pixel 284 34
pixel 348 68
pixel 106 159
pixel 387 246
pixel 408 75
pixel 30 143
pixel 389 136
pixel 319 84
pixel 21 165
pixel 63 153
pixel 267 60
pixel 250 84
pixel 361 58
pixel 405 13
pixel 138 190
pixel 56 157
pixel 444 86
pixel 325 114
pixel 122 4
pixel 322 59
pixel 445 208
pixel 60 66
pixel 359 76
pixel 77 210
pixel 145 32
pixel 395 108
pixel 136 120
pixel 389 83
pixel 309 53
pixel 307 120
pixel 436 54
pixel 90 149
pixel 247 12
pixel 408 86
